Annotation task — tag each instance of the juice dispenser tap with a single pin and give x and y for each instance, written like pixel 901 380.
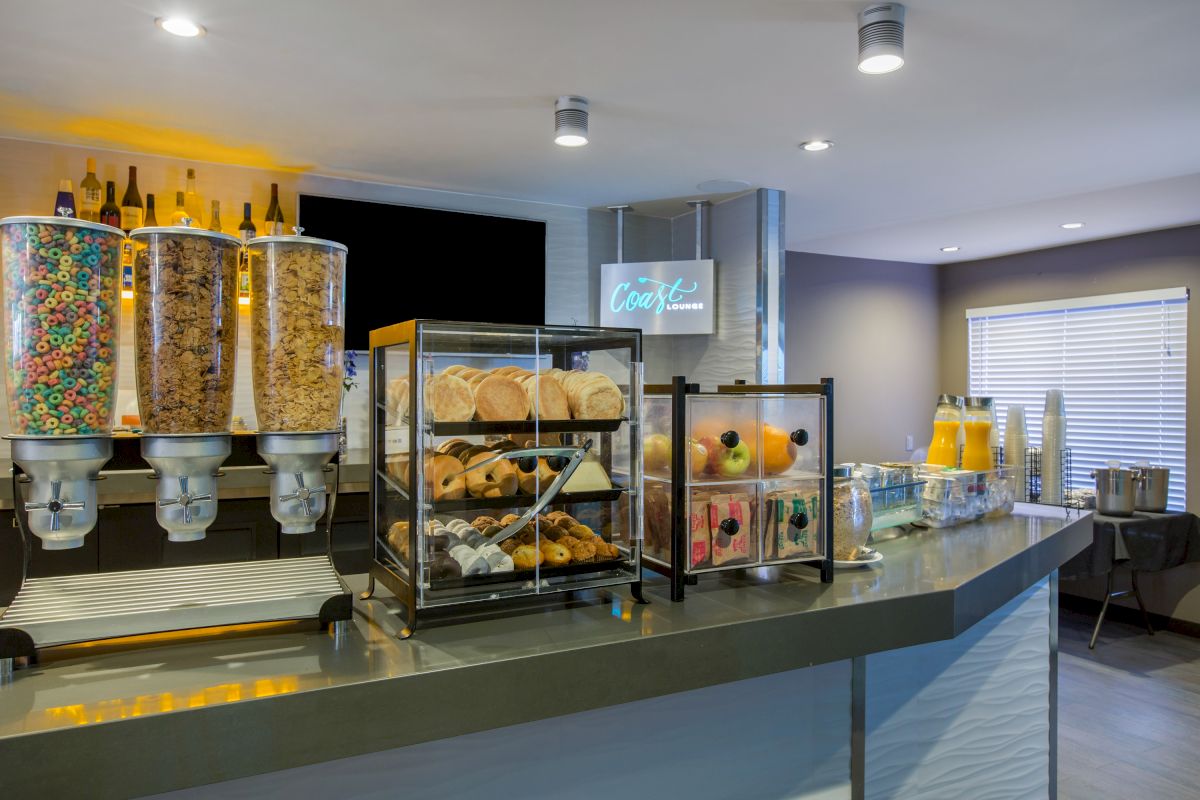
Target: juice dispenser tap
pixel 297 319
pixel 185 344
pixel 61 316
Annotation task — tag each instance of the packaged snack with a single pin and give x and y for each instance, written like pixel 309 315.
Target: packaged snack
pixel 731 524
pixel 699 538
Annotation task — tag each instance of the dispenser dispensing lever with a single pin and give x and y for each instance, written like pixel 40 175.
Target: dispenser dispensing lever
pixel 185 499
pixel 55 505
pixel 302 493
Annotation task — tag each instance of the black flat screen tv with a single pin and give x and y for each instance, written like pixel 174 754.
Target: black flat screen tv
pixel 407 263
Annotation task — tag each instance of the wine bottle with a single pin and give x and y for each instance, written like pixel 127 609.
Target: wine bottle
pixel 151 220
pixel 180 215
pixel 64 203
pixel 246 229
pixel 274 221
pixel 131 204
pixel 110 212
pixel 214 222
pixel 90 194
pixel 191 200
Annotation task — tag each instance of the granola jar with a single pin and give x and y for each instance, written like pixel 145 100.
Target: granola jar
pixel 852 515
pixel 185 328
pixel 297 332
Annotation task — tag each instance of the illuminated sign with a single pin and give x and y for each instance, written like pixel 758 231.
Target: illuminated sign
pixel 660 297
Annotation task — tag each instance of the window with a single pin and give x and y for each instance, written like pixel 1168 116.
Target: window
pixel 1120 361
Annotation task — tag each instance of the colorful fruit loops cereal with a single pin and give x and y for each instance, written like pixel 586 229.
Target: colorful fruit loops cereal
pixel 60 326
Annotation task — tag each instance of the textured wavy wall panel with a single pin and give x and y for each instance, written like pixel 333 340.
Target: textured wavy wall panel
pixel 964 718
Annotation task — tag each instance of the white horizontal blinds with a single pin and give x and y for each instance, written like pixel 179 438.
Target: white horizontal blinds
pixel 1121 366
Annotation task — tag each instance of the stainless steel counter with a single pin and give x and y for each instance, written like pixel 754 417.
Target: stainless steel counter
pixel 191 712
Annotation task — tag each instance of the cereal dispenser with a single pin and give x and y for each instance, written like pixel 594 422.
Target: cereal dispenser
pixel 60 338
pixel 185 345
pixel 297 319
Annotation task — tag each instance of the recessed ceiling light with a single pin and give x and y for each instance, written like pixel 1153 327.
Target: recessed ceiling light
pixel 180 26
pixel 950 249
pixel 816 145
pixel 881 38
pixel 571 121
pixel 1071 225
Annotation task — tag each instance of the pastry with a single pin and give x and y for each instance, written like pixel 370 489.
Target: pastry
pixel 546 396
pixel 396 400
pixel 582 532
pixel 453 446
pixel 483 522
pixel 553 533
pixel 583 551
pixel 606 551
pixel 508 545
pixel 498 479
pixel 500 562
pixel 448 398
pixel 556 555
pixel 492 530
pixel 454 369
pixel 538 480
pixel 506 370
pixel 527 557
pixel 443 566
pixel 500 398
pixel 509 519
pixel 446 476
pixel 397 537
pixel 567 540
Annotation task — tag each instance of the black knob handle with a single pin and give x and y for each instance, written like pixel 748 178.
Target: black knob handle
pixel 730 526
pixel 557 463
pixel 800 437
pixel 527 464
pixel 799 520
pixel 730 439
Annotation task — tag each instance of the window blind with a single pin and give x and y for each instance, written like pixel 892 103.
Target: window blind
pixel 1120 361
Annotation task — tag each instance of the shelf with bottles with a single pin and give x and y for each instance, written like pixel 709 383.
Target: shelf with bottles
pixel 736 478
pixel 505 439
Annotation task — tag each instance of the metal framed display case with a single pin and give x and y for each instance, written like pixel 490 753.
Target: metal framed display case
pixel 506 462
pixel 737 478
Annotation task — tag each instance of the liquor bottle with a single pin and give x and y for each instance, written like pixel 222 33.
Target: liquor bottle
pixel 214 222
pixel 191 200
pixel 246 231
pixel 180 214
pixel 110 212
pixel 151 219
pixel 131 204
pixel 64 203
pixel 274 221
pixel 90 194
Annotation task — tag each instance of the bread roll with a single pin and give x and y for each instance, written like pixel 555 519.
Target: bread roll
pixel 445 473
pixel 593 395
pixel 498 479
pixel 547 397
pixel 449 398
pixel 540 478
pixel 454 369
pixel 396 400
pixel 499 398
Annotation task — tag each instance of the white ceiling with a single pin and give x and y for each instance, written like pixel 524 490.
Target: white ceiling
pixel 1008 118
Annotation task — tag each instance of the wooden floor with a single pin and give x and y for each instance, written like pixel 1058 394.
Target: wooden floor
pixel 1129 713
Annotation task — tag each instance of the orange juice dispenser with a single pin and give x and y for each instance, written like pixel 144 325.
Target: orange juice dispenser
pixel 977 425
pixel 943 449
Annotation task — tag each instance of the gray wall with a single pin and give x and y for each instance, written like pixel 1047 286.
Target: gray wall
pixel 872 327
pixel 1156 260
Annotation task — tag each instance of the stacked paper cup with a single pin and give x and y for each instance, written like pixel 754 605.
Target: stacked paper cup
pixel 1054 439
pixel 1016 441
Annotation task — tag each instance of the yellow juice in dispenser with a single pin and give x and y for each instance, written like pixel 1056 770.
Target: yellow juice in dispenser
pixel 977 451
pixel 943 449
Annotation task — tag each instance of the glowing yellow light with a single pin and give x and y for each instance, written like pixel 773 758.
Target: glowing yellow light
pixel 127 294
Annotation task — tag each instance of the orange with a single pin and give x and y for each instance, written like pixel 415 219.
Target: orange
pixel 779 453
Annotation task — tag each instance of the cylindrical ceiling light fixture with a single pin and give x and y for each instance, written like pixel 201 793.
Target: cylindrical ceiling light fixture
pixel 881 38
pixel 571 121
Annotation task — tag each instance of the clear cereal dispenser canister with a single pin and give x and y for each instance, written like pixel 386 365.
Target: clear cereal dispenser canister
pixel 61 313
pixel 297 321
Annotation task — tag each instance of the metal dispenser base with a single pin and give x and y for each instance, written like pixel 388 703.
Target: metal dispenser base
pixel 297 462
pixel 60 498
pixel 186 467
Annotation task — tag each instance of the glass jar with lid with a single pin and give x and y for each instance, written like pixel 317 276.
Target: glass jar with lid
pixel 947 419
pixel 852 514
pixel 977 426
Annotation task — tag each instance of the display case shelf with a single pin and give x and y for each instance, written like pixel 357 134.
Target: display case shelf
pixel 503 428
pixel 526 500
pixel 545 573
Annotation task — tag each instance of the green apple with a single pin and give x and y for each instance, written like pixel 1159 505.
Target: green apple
pixel 733 461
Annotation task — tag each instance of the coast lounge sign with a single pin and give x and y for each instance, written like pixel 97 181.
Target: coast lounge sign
pixel 660 297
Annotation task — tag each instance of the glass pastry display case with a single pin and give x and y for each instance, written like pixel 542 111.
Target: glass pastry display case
pixel 737 478
pixel 506 462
